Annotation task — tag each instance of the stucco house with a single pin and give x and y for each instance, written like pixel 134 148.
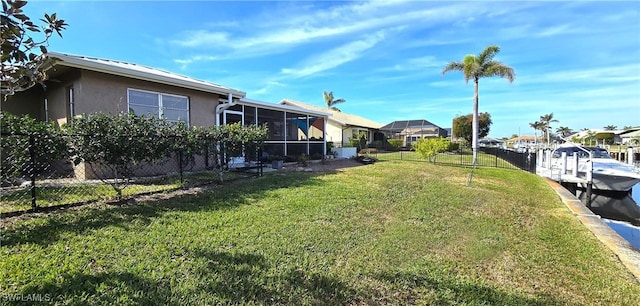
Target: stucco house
pixel 412 130
pixel 342 127
pixel 82 85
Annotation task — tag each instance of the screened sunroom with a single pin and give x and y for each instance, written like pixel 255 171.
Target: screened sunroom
pixel 292 130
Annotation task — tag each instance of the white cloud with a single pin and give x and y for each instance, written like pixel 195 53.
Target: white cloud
pixel 202 38
pixel 268 88
pixel 196 58
pixel 557 30
pixel 268 35
pixel 416 63
pixel 623 73
pixel 334 57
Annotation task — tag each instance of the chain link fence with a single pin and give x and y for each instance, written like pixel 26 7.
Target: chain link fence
pixel 38 172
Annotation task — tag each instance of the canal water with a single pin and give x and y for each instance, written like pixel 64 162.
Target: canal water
pixel 619 210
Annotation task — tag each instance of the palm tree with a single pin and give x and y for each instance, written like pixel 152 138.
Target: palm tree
pixel 476 67
pixel 627 127
pixel 536 126
pixel 610 128
pixel 546 121
pixel 564 131
pixel 331 102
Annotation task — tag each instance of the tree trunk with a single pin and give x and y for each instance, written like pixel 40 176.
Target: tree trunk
pixel 474 124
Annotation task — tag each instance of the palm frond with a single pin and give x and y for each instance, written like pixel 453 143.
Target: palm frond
pixel 488 53
pixel 453 66
pixel 495 68
pixel 331 101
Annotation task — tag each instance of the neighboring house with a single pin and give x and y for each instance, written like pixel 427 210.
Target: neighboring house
pixel 631 137
pixel 412 130
pixel 522 143
pixel 619 136
pixel 82 85
pixel 342 127
pixel 449 134
pixel 490 142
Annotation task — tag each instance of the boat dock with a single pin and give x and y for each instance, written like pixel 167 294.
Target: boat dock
pixel 545 168
pixel 557 175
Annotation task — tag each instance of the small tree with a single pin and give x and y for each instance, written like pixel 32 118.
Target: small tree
pixel 463 126
pixel 21 64
pixel 428 148
pixel 114 147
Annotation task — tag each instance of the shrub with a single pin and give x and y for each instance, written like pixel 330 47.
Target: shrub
pixel 330 147
pixel 23 136
pixel 360 141
pixel 394 144
pixel 454 146
pixel 378 144
pixel 302 159
pixel 428 148
pixel 121 143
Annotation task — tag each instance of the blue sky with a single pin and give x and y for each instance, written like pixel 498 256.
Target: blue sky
pixel 578 60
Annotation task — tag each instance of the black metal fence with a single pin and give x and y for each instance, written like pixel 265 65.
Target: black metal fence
pixel 37 172
pixel 487 157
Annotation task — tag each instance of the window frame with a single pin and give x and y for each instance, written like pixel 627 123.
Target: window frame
pixel 160 106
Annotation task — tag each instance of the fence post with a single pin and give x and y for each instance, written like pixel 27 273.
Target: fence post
pixel 496 150
pixel 32 155
pixel 180 157
pixel 260 162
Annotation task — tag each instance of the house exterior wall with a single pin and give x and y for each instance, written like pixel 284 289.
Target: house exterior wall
pixel 100 92
pixel 30 103
pixel 334 133
pixel 341 136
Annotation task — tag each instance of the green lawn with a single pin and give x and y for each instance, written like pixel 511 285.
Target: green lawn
pixel 78 192
pixel 391 233
pixel 464 158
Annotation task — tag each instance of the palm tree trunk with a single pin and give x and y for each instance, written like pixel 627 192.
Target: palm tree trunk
pixel 474 124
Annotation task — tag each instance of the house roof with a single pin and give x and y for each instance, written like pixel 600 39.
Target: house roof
pixel 139 72
pixel 283 107
pixel 585 133
pixel 339 117
pixel 401 125
pixel 632 134
pixel 526 138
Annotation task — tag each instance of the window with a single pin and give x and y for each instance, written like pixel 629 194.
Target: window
pixel 165 106
pixel 355 133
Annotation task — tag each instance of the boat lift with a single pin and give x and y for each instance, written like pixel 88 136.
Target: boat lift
pixel 545 168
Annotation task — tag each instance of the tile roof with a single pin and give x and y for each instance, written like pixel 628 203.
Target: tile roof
pixel 340 117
